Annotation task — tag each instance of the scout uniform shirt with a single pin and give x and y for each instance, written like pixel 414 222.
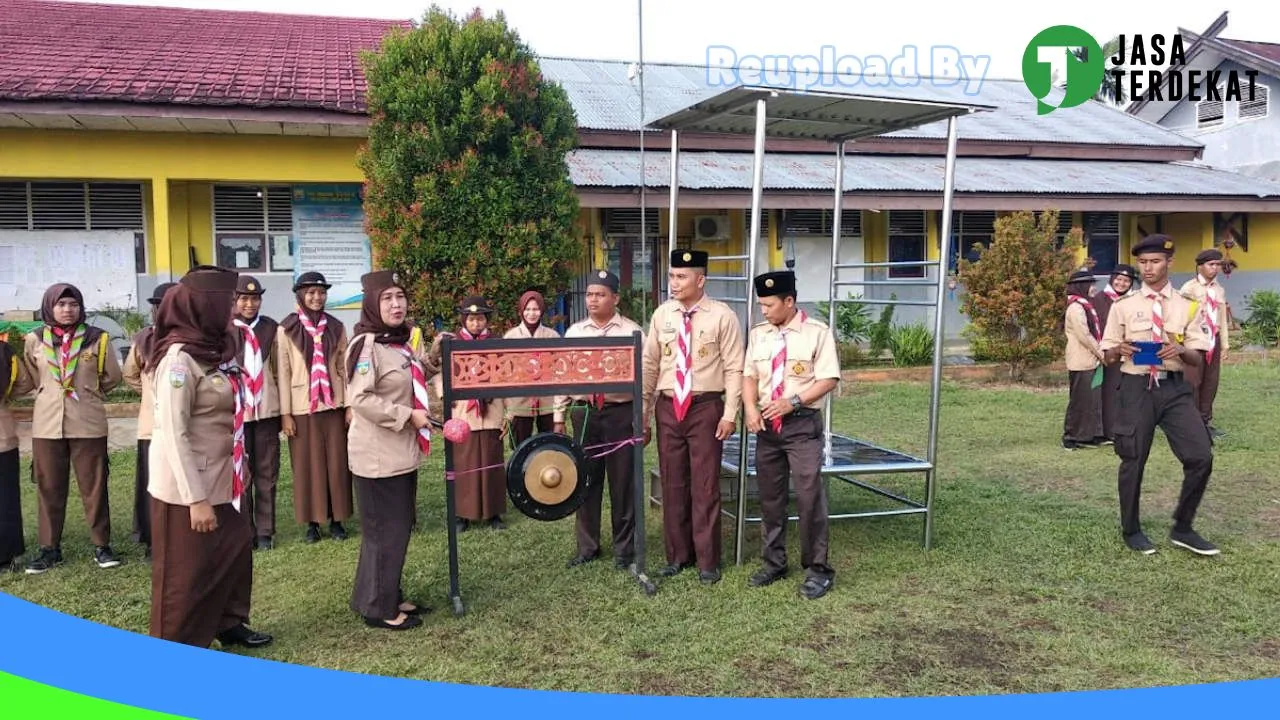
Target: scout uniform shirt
pixel 382 441
pixel 811 356
pixel 57 416
pixel 1131 321
pixel 1194 290
pixel 269 406
pixel 293 376
pixel 1083 352
pixel 618 326
pixel 191 443
pixel 489 418
pixel 716 352
pixel 8 426
pixel 141 384
pixel 524 407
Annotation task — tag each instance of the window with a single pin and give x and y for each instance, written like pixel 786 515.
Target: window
pixel 1210 113
pixel 76 206
pixel 819 222
pixel 907 239
pixel 969 228
pixel 1102 238
pixel 629 258
pixel 253 227
pixel 1257 107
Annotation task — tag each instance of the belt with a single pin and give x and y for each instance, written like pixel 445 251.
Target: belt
pixel 802 412
pixel 1160 375
pixel 589 404
pixel 698 396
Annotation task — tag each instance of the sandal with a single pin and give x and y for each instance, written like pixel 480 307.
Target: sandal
pixel 815 587
pixel 410 622
pixel 416 609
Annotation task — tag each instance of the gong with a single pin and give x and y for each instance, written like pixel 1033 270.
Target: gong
pixel 547 477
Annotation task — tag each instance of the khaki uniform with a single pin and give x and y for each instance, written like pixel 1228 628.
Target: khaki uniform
pixel 1205 379
pixel 613 421
pixel 262 438
pixel 481 494
pixel 793 455
pixel 689 454
pixel 140 382
pixel 1165 400
pixel 1083 420
pixel 293 375
pixel 531 413
pixel 68 433
pixel 201 582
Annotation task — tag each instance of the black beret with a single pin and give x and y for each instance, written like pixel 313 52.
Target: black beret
pixel 689 259
pixel 158 293
pixel 605 278
pixel 1208 256
pixel 1153 244
pixel 1126 270
pixel 474 305
pixel 776 283
pixel 1080 276
pixel 310 279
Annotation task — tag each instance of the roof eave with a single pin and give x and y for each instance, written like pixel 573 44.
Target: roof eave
pixel 178 117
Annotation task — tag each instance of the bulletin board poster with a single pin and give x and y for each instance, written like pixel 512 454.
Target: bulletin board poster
pixel 329 238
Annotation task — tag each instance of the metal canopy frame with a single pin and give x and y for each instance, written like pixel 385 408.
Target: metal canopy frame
pixel 837 118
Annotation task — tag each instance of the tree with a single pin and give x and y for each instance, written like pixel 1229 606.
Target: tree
pixel 467 190
pixel 1014 292
pixel 1109 91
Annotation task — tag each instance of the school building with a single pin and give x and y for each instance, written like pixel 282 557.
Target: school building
pixel 136 142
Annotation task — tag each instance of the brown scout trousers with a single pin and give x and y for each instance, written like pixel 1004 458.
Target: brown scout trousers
pixel 793 457
pixel 262 448
pixel 53 461
pixel 607 425
pixel 689 461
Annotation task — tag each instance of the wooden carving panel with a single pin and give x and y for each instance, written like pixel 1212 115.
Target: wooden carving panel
pixel 524 368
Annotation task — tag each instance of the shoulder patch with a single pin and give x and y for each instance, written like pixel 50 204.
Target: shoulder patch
pixel 178 375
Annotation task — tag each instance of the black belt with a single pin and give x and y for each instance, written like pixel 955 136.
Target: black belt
pixel 802 412
pixel 1160 375
pixel 591 405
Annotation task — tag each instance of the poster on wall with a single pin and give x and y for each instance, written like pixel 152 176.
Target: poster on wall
pixel 329 238
pixel 99 262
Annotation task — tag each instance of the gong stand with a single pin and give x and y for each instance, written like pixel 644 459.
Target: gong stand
pixel 499 368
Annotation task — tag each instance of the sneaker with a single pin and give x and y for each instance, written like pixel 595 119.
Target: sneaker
pixel 105 557
pixel 1192 541
pixel 765 576
pixel 313 534
pixel 44 561
pixel 1138 542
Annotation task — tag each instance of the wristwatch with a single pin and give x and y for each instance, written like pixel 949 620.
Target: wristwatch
pixel 795 402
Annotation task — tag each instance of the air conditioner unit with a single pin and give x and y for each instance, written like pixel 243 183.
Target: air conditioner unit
pixel 710 227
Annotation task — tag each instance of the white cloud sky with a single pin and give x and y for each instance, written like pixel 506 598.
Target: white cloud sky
pixel 683 30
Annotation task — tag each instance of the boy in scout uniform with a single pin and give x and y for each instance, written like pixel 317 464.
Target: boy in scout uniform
pixel 1151 395
pixel 791 365
pixel 603 419
pixel 256 354
pixel 1212 317
pixel 693 359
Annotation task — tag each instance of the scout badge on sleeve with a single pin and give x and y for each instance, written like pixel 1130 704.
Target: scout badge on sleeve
pixel 177 375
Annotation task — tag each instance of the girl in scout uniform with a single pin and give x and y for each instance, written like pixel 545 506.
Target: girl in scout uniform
pixel 1082 426
pixel 71 367
pixel 202 571
pixel 255 339
pixel 12 545
pixel 137 377
pixel 481 493
pixel 388 437
pixel 312 387
pixel 528 414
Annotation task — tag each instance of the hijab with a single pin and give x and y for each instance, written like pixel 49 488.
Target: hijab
pixel 55 293
pixel 197 314
pixel 370 322
pixel 299 336
pixel 524 302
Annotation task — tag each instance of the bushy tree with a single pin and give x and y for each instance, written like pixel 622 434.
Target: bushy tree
pixel 1014 292
pixel 467 189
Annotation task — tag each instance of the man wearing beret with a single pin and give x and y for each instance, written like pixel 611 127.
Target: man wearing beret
pixel 1157 393
pixel 790 367
pixel 1211 315
pixel 599 420
pixel 693 359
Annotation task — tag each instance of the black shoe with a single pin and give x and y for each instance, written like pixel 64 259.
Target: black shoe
pixel 45 560
pixel 764 576
pixel 622 563
pixel 336 531
pixel 495 523
pixel 674 569
pixel 462 525
pixel 313 534
pixel 244 637
pixel 709 577
pixel 417 609
pixel 1191 540
pixel 410 622
pixel 1101 441
pixel 583 559
pixel 105 557
pixel 1138 542
pixel 265 543
pixel 1215 432
pixel 815 586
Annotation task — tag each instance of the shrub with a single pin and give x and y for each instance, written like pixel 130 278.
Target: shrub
pixel 853 319
pixel 1263 325
pixel 882 331
pixel 911 345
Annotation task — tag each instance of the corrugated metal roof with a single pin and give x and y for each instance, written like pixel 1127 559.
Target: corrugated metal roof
pixel 912 173
pixel 606 100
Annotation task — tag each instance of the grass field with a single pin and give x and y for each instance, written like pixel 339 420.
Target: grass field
pixel 1028 587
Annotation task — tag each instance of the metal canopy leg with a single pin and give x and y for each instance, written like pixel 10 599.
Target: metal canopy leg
pixel 831 289
pixel 944 255
pixel 672 218
pixel 757 194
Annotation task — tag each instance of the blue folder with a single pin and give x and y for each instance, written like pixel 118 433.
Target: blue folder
pixel 1146 354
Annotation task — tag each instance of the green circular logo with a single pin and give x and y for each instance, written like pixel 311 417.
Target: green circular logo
pixel 1074 54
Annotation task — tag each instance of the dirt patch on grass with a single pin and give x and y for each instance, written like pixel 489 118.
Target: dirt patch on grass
pixel 772 677
pixel 971 652
pixel 1268 648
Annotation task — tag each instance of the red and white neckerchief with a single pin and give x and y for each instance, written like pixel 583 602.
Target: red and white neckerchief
pixel 473 405
pixel 1157 329
pixel 239 391
pixel 253 367
pixel 778 372
pixel 320 391
pixel 683 394
pixel 419 394
pixel 1095 328
pixel 1210 313
pixel 1111 292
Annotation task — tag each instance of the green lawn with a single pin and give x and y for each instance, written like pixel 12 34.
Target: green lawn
pixel 1028 587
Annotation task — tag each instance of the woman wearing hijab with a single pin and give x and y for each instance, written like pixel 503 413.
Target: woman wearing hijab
pixel 137 377
pixel 478 463
pixel 255 336
pixel 311 357
pixel 12 543
pixel 528 414
pixel 72 367
pixel 202 545
pixel 1082 426
pixel 1123 280
pixel 389 435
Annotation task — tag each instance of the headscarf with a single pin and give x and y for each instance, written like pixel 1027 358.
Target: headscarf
pixel 64 343
pixel 370 321
pixel 298 334
pixel 197 314
pixel 524 302
pixel 57 292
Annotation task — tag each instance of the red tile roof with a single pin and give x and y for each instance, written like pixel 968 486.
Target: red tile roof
pixel 60 51
pixel 1270 51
